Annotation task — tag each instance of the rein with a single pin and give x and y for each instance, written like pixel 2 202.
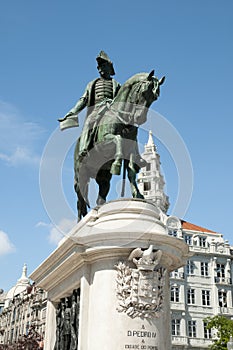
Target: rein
pixel 129 115
pixel 120 111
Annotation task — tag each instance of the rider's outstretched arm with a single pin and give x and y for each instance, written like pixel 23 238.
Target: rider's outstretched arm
pixel 79 106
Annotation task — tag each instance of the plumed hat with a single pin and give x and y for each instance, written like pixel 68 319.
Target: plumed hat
pixel 102 58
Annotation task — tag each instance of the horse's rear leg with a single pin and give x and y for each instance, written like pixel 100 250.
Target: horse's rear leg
pixel 103 179
pixel 133 184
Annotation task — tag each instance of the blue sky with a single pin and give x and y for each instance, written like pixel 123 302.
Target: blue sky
pixel 48 52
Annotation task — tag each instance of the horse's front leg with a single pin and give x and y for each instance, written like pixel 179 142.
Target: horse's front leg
pixel 133 184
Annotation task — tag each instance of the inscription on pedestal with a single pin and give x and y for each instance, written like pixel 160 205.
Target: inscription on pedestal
pixel 141 339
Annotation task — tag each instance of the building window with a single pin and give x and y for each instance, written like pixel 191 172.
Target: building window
pixel 12 334
pixel 176 327
pixel 207 332
pixel 27 328
pixel 190 267
pixel 192 329
pixel 17 314
pixel 222 298
pixel 174 273
pixel 205 297
pixel 202 242
pixel 188 239
pixel 16 333
pixel 148 166
pixel 204 269
pixel 191 296
pixel 147 186
pixel 175 294
pixel 172 232
pixel 220 270
pixel 13 315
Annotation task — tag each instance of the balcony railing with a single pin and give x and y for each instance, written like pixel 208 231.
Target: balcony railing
pixel 177 306
pixel 196 248
pixel 179 340
pixel 225 310
pixel 177 275
pixel 200 342
pixel 222 280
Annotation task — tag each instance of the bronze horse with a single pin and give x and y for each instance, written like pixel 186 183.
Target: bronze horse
pixel 114 140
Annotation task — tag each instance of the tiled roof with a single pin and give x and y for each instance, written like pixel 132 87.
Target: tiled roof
pixel 188 226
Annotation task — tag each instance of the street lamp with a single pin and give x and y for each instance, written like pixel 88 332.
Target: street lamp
pixel 230 344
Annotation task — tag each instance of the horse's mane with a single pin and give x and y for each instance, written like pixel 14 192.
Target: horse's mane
pixel 126 87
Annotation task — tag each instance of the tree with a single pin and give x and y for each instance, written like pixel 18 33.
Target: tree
pixel 31 341
pixel 223 327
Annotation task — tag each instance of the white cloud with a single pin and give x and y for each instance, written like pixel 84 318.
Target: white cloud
pixel 18 137
pixel 55 236
pixel 42 224
pixel 6 246
pixel 20 156
pixel 57 233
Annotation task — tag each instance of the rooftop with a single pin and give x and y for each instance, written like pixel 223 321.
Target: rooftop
pixel 189 226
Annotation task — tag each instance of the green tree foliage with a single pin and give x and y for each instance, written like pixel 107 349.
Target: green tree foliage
pixel 223 328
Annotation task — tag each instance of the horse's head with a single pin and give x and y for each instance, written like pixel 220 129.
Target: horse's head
pixel 144 92
pixel 156 86
pixel 136 95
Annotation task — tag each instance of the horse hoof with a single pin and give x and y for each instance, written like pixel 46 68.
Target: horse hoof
pixel 100 201
pixel 138 195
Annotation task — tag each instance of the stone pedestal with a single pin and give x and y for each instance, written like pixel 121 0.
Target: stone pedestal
pixel 120 257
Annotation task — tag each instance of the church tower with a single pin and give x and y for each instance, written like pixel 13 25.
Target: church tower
pixel 150 180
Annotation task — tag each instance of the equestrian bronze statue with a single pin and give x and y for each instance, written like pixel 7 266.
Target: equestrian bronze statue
pixel 109 136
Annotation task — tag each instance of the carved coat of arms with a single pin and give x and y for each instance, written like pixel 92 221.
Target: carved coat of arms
pixel 140 290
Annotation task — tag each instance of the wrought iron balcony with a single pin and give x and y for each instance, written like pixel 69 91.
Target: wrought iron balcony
pixel 222 280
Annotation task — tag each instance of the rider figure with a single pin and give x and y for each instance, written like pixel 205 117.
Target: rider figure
pixel 97 94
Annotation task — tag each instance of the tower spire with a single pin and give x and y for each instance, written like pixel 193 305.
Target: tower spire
pixel 150 146
pixel 24 279
pixel 150 180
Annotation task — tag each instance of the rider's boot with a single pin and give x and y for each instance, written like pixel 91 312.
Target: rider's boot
pixel 116 167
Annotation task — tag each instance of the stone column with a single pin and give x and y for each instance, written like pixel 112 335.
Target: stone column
pixel 120 256
pixel 50 330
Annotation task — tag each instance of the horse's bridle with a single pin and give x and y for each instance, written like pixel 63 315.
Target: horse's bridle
pixel 136 106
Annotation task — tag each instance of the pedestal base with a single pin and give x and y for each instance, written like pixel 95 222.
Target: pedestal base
pixel 120 256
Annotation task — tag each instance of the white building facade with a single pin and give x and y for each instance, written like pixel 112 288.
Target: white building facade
pixel 204 286
pixel 23 306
